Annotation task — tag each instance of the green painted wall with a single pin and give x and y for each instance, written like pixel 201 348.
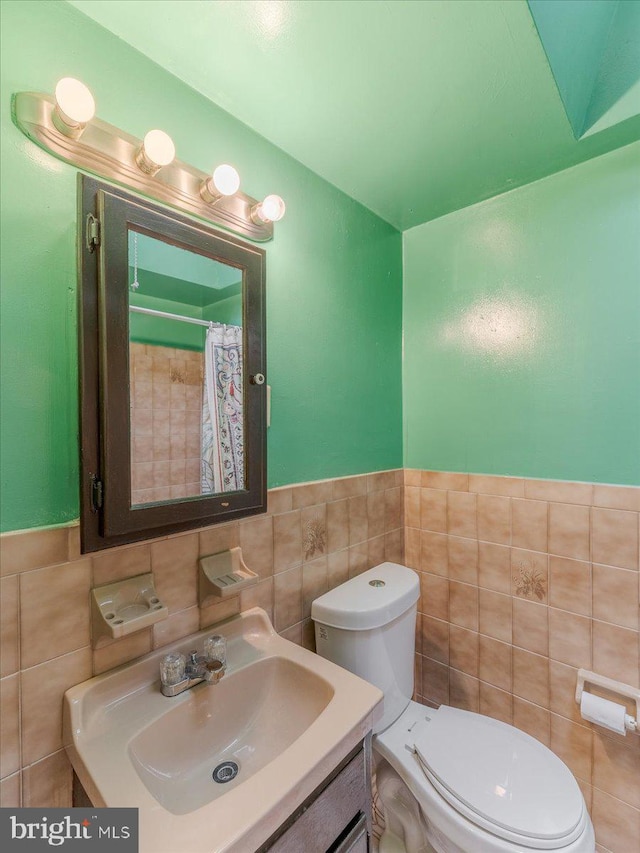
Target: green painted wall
pixel 181 264
pixel 146 329
pixel 333 276
pixel 522 330
pixel 227 311
pixel 592 48
pixel 616 95
pixel 574 36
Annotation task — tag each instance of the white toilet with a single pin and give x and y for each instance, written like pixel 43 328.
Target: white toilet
pixel 450 781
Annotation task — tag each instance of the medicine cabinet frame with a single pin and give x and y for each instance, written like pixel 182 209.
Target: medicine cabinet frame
pixel 107 517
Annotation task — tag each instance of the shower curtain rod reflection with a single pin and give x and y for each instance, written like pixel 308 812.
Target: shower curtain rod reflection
pixel 208 323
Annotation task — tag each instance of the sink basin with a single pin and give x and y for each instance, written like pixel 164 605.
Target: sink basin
pixel 271 730
pixel 246 720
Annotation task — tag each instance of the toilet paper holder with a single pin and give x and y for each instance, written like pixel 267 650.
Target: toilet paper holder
pixel 633 693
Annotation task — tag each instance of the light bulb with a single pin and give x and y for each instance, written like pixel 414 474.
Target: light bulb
pixel 224 181
pixel 74 106
pixel 271 209
pixel 159 147
pixel 157 150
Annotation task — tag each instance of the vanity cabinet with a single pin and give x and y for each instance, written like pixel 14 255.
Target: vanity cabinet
pixel 336 817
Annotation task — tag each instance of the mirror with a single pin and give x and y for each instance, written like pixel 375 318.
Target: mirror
pixel 185 373
pixel 172 371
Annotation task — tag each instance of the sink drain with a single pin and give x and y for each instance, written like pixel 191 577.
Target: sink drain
pixel 225 772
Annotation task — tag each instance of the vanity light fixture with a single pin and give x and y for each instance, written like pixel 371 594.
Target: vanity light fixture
pixel 271 209
pixel 157 150
pixel 67 127
pixel 225 181
pixel 74 107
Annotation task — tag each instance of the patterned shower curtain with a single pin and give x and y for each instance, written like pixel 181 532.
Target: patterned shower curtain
pixel 222 418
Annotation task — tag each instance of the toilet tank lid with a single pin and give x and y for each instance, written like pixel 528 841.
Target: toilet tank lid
pixel 369 600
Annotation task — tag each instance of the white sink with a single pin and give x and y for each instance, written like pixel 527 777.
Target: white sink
pixel 249 718
pixel 281 715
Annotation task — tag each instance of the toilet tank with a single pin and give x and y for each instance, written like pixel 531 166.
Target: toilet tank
pixel 367 625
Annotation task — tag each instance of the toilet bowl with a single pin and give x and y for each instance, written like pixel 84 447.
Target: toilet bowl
pixel 449 780
pixel 481 785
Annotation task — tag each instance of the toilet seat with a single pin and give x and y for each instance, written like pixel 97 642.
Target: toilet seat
pixel 518 789
pixel 453 757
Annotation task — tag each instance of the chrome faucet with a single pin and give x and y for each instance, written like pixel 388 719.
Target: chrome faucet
pixel 178 674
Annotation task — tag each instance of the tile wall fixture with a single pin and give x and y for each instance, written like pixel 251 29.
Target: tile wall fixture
pixel 523 582
pixel 313 537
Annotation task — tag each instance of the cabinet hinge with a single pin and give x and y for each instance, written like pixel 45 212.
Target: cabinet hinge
pixel 96 493
pixel 93 232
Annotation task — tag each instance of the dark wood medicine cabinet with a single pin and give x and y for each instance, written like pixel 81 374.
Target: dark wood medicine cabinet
pixel 148 274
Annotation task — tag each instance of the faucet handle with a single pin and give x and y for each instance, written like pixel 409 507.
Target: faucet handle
pixel 172 668
pixel 215 649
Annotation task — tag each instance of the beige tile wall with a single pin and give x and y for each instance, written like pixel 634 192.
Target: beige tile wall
pixel 312 538
pixel 166 419
pixel 523 582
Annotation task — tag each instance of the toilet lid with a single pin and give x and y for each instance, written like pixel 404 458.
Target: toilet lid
pixel 500 774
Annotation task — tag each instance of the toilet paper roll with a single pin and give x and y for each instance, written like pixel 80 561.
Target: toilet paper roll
pixel 602 712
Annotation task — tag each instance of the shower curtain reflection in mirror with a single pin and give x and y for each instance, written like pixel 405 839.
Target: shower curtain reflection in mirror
pixel 222 411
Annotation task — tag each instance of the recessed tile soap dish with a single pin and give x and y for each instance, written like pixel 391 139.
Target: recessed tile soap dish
pixel 124 607
pixel 223 574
